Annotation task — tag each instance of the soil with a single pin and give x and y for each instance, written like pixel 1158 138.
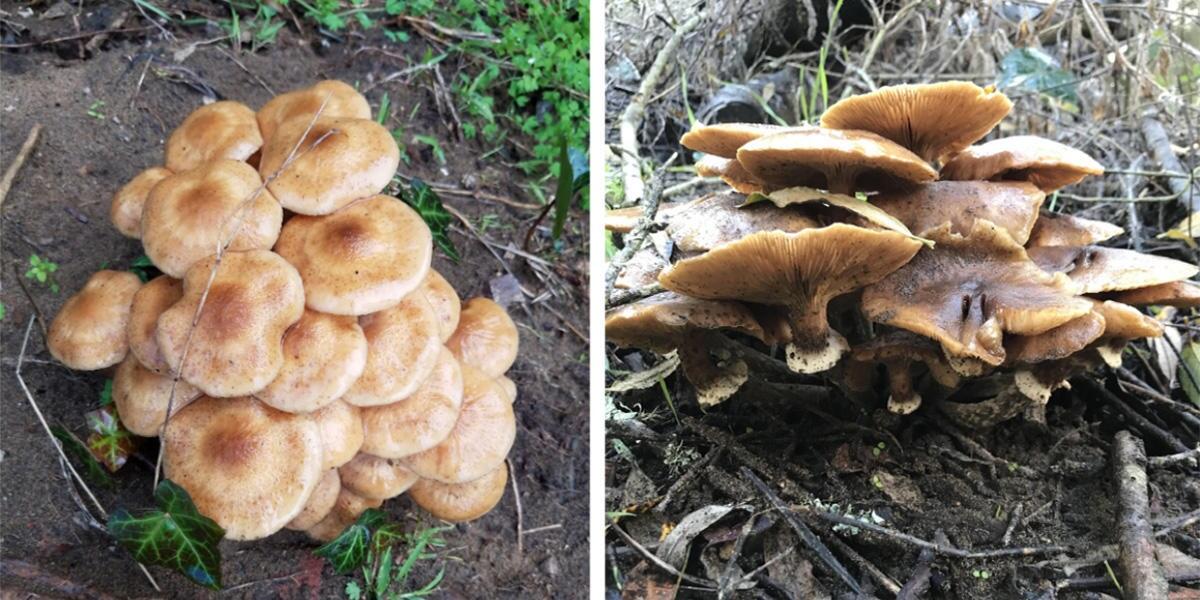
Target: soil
pixel 58 209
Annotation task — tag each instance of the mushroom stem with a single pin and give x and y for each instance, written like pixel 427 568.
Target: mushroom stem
pixel 715 381
pixel 815 347
pixel 904 399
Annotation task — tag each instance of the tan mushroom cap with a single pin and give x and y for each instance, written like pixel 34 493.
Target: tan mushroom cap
pixel 127 204
pixel 141 397
pixel 460 502
pixel 1096 269
pixel 188 214
pixel 339 99
pixel 236 347
pixel 801 271
pixel 362 259
pixel 346 509
pixel 445 301
pixel 931 119
pixel 1057 343
pixel 148 304
pixel 221 130
pixel 623 220
pixel 420 421
pixel 88 333
pixel 1042 162
pixel 967 291
pixel 897 350
pixel 486 337
pixel 403 343
pixel 1123 322
pixel 319 503
pixel 730 171
pixel 840 161
pixel 1181 294
pixel 247 466
pixel 508 386
pixel 710 221
pixel 341 432
pixel 355 158
pixel 1011 205
pixel 374 477
pixel 641 269
pixel 1060 229
pixel 323 355
pixel 724 139
pixel 481 437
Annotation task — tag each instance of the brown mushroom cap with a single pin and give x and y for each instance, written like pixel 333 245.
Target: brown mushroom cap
pixel 641 269
pixel 967 291
pixel 461 502
pixel 1096 269
pixel 346 509
pixel 445 302
pixel 323 355
pixel 88 333
pixel 1057 343
pixel 236 347
pixel 341 432
pixel 1042 162
pixel 897 350
pixel 931 119
pixel 840 161
pixel 127 203
pixel 1181 294
pixel 709 221
pixel 247 466
pixel 319 503
pixel 486 337
pixel 730 171
pixel 724 139
pixel 481 437
pixel 188 214
pixel 373 477
pixel 1011 205
pixel 355 158
pixel 420 421
pixel 1123 322
pixel 339 100
pixel 1060 229
pixel 622 220
pixel 402 348
pixel 221 130
pixel 141 397
pixel 508 386
pixel 148 304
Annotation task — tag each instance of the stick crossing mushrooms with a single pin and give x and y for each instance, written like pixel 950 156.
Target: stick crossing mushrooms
pixel 1042 162
pixel 221 130
pixel 127 204
pixel 89 331
pixel 141 397
pixel 843 162
pixel 338 99
pixel 486 337
pixel 461 502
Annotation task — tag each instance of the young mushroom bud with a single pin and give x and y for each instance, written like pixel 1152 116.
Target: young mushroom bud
pixel 221 130
pixel 141 397
pixel 402 349
pixel 320 502
pixel 331 97
pixel 88 333
pixel 377 478
pixel 897 351
pixel 1044 163
pixel 323 355
pixel 148 304
pixel 461 502
pixel 420 421
pixel 486 337
pixel 127 204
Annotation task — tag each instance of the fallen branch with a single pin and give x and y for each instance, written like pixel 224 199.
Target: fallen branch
pixel 1191 458
pixel 1159 144
pixel 1140 571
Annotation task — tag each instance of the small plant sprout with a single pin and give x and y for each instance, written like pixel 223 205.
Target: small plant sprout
pixel 878 449
pixel 981 574
pixel 42 271
pixel 93 110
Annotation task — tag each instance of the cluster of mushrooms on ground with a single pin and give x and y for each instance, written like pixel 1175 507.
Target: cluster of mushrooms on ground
pixel 312 361
pixel 844 244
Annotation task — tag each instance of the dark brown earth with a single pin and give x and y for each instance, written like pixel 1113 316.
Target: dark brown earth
pixel 58 209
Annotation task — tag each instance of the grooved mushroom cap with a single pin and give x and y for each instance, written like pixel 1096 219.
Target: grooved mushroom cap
pixel 420 421
pixel 338 98
pixel 730 171
pixel 141 397
pixel 221 130
pixel 1057 343
pixel 373 477
pixel 1096 269
pixel 460 502
pixel 724 139
pixel 362 259
pixel 931 119
pixel 1013 206
pixel 1042 162
pixel 402 348
pixel 88 333
pixel 346 509
pixel 840 161
pixel 341 432
pixel 319 503
pixel 323 355
pixel 148 304
pixel 356 159
pixel 126 209
pixel 481 437
pixel 247 466
pixel 967 291
pixel 236 348
pixel 188 214
pixel 708 222
pixel 445 302
pixel 486 337
pixel 508 386
pixel 1060 229
pixel 801 271
pixel 1182 294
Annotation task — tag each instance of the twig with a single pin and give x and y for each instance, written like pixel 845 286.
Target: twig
pixel 512 476
pixel 867 566
pixel 628 296
pixel 726 585
pixel 1143 575
pixel 918 584
pixel 637 236
pixel 11 174
pixel 1159 144
pixel 1191 458
pixel 706 584
pixel 1142 423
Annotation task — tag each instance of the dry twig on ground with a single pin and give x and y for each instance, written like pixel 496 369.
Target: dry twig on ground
pixel 1140 571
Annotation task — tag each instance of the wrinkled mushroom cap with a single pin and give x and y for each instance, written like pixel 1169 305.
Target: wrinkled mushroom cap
pixel 346 509
pixel 486 337
pixel 460 502
pixel 730 171
pixel 221 130
pixel 402 348
pixel 141 397
pixel 445 302
pixel 1057 343
pixel 373 477
pixel 323 355
pixel 319 503
pixel 420 421
pixel 1097 269
pixel 1042 162
pixel 1060 229
pixel 127 203
pixel 339 100
pixel 148 304
pixel 839 161
pixel 724 139
pixel 1182 294
pixel 88 333
pixel 708 222
pixel 1011 205
pixel 236 348
pixel 341 432
pixel 188 214
pixel 247 466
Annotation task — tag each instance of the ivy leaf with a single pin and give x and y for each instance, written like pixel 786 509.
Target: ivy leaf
pixel 174 535
pixel 74 447
pixel 143 268
pixel 348 551
pixel 109 441
pixel 426 202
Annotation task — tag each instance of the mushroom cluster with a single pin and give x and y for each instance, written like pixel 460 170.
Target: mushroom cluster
pixel 886 245
pixel 313 362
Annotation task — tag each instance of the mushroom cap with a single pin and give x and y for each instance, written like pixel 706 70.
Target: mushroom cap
pixel 236 347
pixel 323 355
pixel 905 347
pixel 373 477
pixel 622 220
pixel 445 302
pixel 1013 206
pixel 148 304
pixel 189 213
pixel 708 222
pixel 931 119
pixel 724 139
pixel 341 428
pixel 88 333
pixel 247 466
pixel 659 322
pixel 1060 229
pixel 420 421
pixel 126 209
pixel 319 503
pixel 141 397
pixel 1096 269
pixel 361 259
pixel 841 161
pixel 346 509
pixel 730 171
pixel 1181 294
pixel 221 130
pixel 1057 343
pixel 508 386
pixel 302 105
pixel 486 337
pixel 460 502
pixel 402 348
pixel 967 291
pixel 1123 322
pixel 481 437
pixel 1042 162
pixel 641 269
pixel 355 158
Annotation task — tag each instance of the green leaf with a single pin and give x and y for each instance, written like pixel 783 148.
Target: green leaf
pixel 174 535
pixel 566 189
pixel 426 202
pixel 1033 70
pixel 348 551
pixel 3 311
pixel 353 591
pixel 106 393
pixel 1189 371
pixel 385 109
pixel 74 447
pixel 864 209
